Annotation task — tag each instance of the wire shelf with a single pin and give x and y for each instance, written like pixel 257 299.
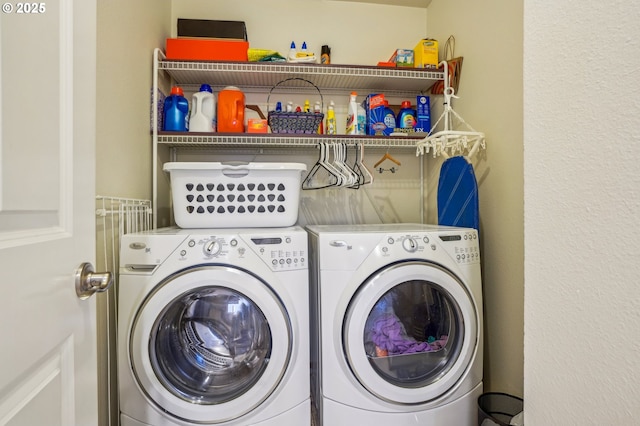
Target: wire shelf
pixel 259 77
pixel 284 140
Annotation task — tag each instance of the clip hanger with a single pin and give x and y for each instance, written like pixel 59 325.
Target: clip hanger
pixel 387 157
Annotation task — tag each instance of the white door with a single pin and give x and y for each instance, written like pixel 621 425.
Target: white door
pixel 47 142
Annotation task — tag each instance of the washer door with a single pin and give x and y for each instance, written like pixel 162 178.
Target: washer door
pixel 410 332
pixel 210 336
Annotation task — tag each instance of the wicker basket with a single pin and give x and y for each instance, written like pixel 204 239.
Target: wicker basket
pixel 294 122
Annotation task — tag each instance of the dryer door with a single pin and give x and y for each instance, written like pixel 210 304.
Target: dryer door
pixel 210 336
pixel 411 332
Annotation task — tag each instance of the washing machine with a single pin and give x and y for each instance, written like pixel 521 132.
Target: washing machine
pixel 397 311
pixel 213 327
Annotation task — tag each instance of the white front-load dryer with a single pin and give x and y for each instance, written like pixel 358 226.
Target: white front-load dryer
pixel 398 316
pixel 213 328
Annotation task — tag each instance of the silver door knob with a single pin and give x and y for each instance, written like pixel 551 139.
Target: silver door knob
pixel 89 282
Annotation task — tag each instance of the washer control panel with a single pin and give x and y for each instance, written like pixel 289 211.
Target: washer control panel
pixel 279 252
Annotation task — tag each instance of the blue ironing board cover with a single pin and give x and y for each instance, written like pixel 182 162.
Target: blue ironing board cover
pixel 458 194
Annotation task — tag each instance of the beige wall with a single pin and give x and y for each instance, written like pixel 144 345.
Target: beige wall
pixel 488 36
pixel 582 198
pixel 127 34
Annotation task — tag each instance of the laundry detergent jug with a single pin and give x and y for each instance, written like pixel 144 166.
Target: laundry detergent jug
pixel 203 112
pixel 231 110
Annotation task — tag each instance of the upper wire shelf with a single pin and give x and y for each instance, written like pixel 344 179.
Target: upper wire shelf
pixel 261 76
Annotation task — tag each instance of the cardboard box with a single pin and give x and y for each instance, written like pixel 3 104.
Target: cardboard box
pixel 257 125
pixel 423 114
pixel 404 58
pixel 202 49
pixel 212 28
pixel 425 54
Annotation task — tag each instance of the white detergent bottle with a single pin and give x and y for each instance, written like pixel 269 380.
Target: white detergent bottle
pixel 352 115
pixel 203 111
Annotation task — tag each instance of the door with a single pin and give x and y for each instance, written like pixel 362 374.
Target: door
pixel 410 332
pixel 210 336
pixel 47 137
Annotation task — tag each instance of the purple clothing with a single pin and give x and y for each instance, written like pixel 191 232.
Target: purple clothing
pixel 389 334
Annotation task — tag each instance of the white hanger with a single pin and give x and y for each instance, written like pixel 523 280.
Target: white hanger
pixel 448 141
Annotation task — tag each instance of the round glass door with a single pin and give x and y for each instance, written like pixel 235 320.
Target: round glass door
pixel 210 336
pixel 210 345
pixel 410 333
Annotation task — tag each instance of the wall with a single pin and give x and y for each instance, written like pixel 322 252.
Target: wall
pixel 581 118
pixel 358 33
pixel 354 38
pixel 488 35
pixel 127 33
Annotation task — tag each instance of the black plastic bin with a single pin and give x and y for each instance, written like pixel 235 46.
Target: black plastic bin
pixel 497 409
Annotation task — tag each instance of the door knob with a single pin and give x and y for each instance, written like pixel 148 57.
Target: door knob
pixel 89 282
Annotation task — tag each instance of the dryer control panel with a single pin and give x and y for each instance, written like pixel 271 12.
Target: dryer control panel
pixel 462 246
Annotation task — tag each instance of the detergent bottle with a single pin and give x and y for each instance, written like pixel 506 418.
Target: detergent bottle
pixel 352 115
pixel 406 119
pixel 231 104
pixel 331 119
pixel 203 117
pixel 176 111
pixel 389 119
pixel 362 120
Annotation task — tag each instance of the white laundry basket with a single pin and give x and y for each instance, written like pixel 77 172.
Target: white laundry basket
pixel 235 195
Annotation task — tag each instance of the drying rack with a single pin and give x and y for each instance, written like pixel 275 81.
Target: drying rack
pixel 115 217
pixel 448 142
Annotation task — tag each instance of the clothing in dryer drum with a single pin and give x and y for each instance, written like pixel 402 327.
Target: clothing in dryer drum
pixel 210 345
pixel 413 334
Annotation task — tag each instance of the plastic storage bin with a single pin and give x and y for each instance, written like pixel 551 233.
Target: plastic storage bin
pixel 235 195
pixel 498 409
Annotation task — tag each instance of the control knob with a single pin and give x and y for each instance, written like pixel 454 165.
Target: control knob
pixel 211 248
pixel 410 245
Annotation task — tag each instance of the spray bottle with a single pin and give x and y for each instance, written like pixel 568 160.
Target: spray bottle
pixel 331 119
pixel 352 115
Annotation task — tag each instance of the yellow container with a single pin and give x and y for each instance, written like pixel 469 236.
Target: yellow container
pixel 425 54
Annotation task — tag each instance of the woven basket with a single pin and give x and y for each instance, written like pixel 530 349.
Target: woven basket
pixel 294 122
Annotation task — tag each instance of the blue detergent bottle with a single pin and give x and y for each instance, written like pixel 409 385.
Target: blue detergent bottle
pixel 176 111
pixel 406 119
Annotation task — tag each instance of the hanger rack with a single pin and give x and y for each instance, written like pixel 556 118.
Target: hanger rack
pixel 449 142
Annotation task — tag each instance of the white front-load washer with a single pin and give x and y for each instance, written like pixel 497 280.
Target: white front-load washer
pixel 213 327
pixel 398 314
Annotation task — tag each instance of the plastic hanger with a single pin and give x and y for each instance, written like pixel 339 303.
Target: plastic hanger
pixel 447 139
pixel 313 180
pixel 339 160
pixel 364 176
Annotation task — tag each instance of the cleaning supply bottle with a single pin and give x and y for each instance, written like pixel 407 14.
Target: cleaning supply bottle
pixel 325 55
pixel 292 52
pixel 332 128
pixel 406 119
pixel 389 119
pixel 203 117
pixel 362 120
pixel 317 109
pixel 176 111
pixel 352 115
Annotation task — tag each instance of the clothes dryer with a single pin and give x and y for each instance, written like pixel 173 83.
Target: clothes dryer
pixel 213 328
pixel 398 316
